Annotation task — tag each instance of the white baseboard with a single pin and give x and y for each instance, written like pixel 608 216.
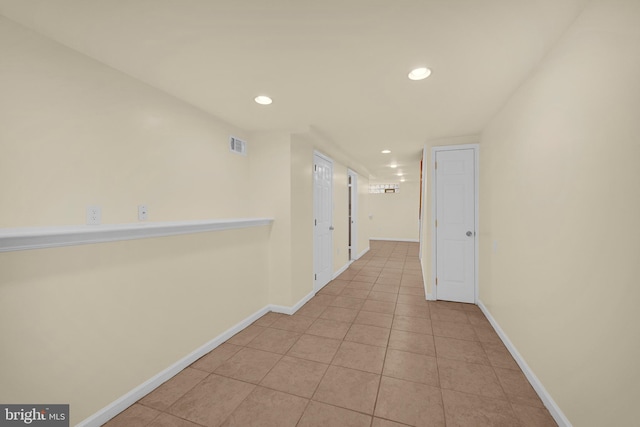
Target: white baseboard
pixel 119 405
pixel 291 310
pixel 428 296
pixel 396 240
pixel 548 401
pixel 122 403
pixel 342 270
pixel 361 254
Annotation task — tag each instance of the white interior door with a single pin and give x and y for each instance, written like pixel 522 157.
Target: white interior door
pixel 455 201
pixel 353 214
pixel 323 220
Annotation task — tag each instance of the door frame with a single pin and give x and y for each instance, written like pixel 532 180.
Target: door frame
pixel 432 188
pixel 354 214
pixel 316 286
pixel 424 191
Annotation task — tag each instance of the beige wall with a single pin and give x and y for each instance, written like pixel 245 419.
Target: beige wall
pixel 560 202
pixel 364 229
pixel 395 216
pixel 84 325
pixel 270 156
pixel 74 133
pixel 77 133
pixel 302 216
pixel 287 194
pixel 87 324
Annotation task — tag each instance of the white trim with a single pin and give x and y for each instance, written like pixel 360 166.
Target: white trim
pixel 477 218
pixel 324 156
pixel 428 296
pixel 291 310
pixel 18 239
pixel 423 208
pixel 354 212
pixel 546 398
pixel 123 402
pixel 476 155
pixel 396 240
pixel 341 270
pixel 432 225
pixel 363 253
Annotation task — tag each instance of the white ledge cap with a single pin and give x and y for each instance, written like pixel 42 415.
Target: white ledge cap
pixel 24 238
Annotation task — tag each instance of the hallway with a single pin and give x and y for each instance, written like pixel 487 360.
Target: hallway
pixel 367 350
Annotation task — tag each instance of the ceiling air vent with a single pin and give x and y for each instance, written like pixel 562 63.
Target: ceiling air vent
pixel 237 146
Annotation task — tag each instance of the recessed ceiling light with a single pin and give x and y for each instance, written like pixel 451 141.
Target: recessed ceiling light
pixel 393 166
pixel 400 174
pixel 419 73
pixel 401 179
pixel 385 151
pixel 263 100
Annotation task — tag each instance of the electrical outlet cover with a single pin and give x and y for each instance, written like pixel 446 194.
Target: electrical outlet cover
pixel 94 215
pixel 143 213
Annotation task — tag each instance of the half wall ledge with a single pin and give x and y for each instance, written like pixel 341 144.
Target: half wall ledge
pixel 25 238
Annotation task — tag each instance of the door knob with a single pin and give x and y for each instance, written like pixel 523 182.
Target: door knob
pixel 331 228
pixel 469 233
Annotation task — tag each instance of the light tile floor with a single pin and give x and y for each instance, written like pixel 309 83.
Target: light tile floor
pixel 368 351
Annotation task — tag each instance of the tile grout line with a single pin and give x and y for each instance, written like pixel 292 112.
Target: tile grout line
pixel 444 411
pixel 329 366
pixel 255 385
pixel 386 351
pixel 351 323
pixel 165 410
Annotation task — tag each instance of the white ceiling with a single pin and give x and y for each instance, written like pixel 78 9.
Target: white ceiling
pixel 338 65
